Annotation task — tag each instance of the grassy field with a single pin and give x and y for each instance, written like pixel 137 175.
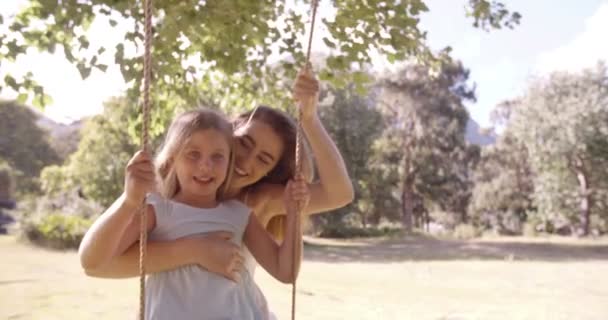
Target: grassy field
pixel 411 278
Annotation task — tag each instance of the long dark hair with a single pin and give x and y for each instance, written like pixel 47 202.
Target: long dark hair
pixel 285 169
pixel 286 129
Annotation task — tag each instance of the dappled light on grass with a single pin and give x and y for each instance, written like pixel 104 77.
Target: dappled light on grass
pixel 353 279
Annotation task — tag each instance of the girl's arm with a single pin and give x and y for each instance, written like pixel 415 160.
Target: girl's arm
pixel 334 188
pixel 115 230
pixel 214 251
pixel 118 227
pixel 278 260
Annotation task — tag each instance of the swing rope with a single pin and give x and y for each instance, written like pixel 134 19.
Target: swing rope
pixel 145 141
pixel 145 145
pixel 314 4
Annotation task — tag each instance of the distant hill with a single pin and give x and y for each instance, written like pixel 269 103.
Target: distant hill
pixel 64 137
pixel 475 136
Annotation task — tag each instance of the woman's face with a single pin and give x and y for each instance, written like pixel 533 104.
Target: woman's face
pixel 257 151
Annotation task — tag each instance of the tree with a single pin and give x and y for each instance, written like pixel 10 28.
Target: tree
pixel 426 123
pixel 64 140
pixel 97 168
pixel 503 180
pixel 214 43
pixel 354 125
pixel 503 186
pixel 454 191
pixel 23 145
pixel 6 183
pixel 563 122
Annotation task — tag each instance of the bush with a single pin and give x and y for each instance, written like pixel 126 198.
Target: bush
pixel 466 231
pixel 56 230
pixel 598 226
pixel 446 219
pixel 57 222
pixel 5 221
pixel 68 203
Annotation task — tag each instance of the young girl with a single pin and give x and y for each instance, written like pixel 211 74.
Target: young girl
pixel 194 166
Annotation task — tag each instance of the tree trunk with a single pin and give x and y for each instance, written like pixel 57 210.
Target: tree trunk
pixel 374 217
pixel 584 207
pixel 585 201
pixel 407 197
pixel 407 194
pixel 464 218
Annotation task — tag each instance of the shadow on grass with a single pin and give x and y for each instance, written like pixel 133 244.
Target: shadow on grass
pixel 429 249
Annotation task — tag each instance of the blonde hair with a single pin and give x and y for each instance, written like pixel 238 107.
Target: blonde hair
pixel 183 127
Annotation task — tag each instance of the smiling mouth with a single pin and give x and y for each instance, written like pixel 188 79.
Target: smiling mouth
pixel 240 171
pixel 203 180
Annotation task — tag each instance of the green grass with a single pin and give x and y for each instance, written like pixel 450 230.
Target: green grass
pixel 411 278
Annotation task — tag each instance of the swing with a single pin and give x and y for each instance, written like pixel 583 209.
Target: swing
pixel 143 235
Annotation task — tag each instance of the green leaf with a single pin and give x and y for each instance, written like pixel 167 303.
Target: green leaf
pixel 120 53
pixel 16 27
pixel 11 82
pixel 360 77
pixel 22 98
pixel 48 100
pixel 417 7
pixel 102 67
pixel 38 90
pixel 84 70
pixel 14 49
pixel 84 42
pixel 42 100
pixel 68 54
pixel 329 44
pixel 51 47
pixel 38 102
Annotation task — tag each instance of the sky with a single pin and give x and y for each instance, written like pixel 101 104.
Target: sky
pixel 553 35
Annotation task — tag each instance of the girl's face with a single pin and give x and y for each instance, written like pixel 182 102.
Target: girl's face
pixel 257 151
pixel 201 165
